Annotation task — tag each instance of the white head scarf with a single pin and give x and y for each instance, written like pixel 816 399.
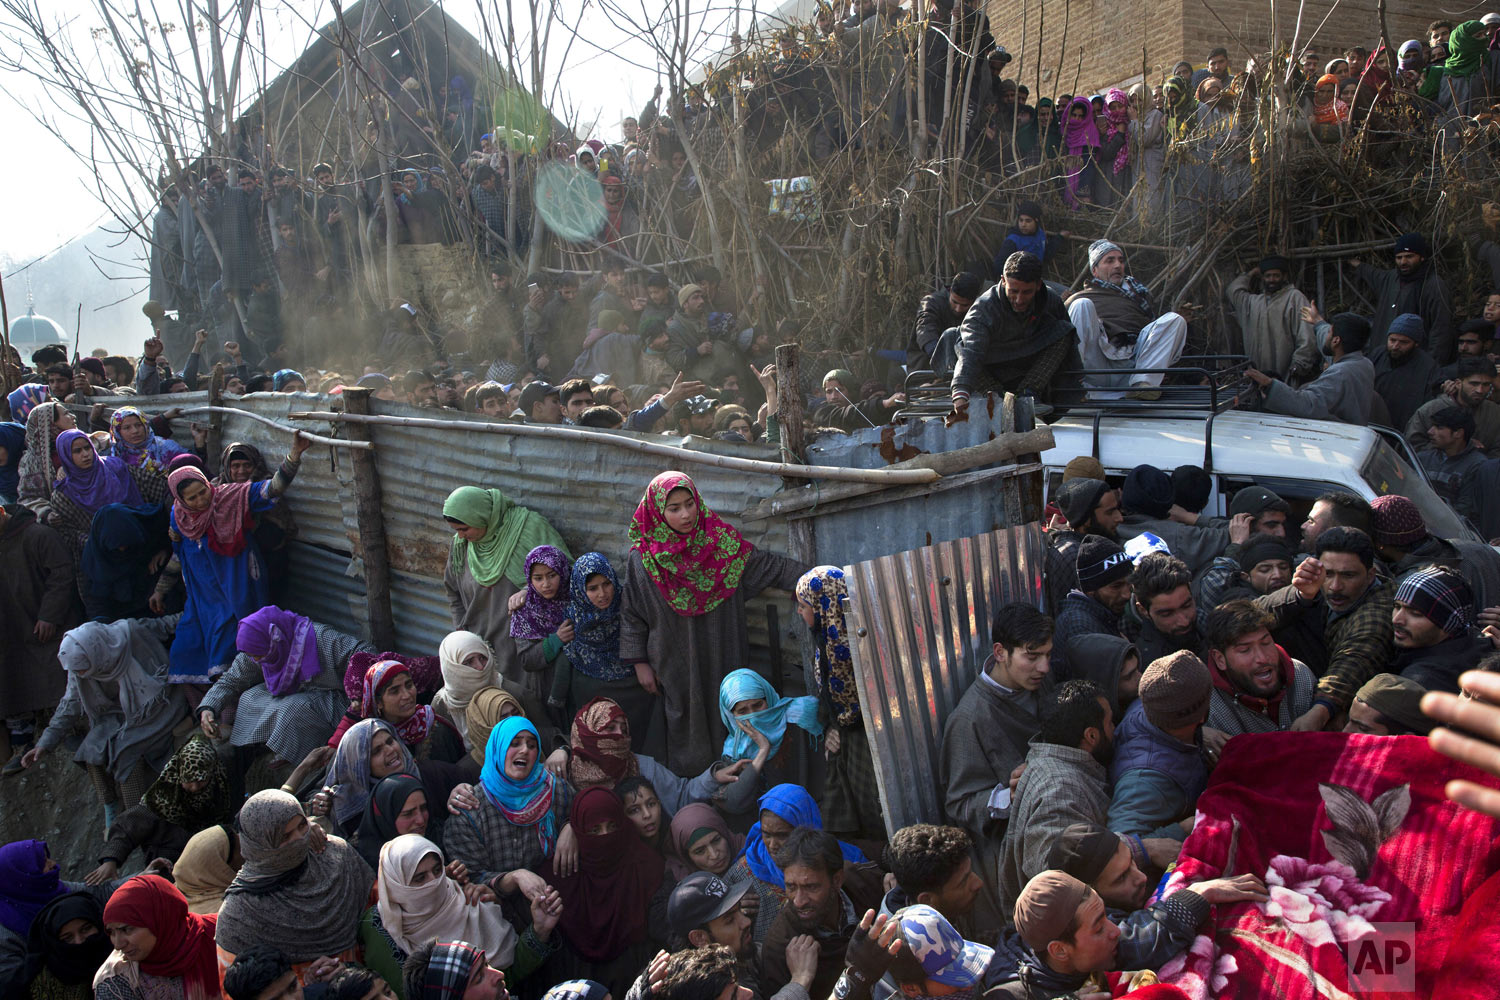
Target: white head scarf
pixel 437 908
pixel 462 682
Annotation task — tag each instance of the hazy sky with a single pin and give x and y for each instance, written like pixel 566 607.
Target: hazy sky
pixel 602 80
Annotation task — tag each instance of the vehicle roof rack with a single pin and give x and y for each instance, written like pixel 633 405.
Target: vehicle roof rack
pixel 1198 385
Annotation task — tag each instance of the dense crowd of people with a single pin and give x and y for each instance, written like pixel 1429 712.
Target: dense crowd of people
pixel 583 793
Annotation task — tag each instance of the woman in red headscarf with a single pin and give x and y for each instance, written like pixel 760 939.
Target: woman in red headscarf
pixel 161 950
pixel 682 624
pixel 615 906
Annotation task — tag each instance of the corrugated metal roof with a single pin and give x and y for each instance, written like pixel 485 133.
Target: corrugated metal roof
pixel 921 625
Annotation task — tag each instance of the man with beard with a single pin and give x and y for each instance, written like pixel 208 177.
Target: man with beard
pixel 1452 460
pixel 1403 541
pixel 1016 337
pixel 1149 935
pixel 1432 626
pixel 1160 764
pixel 1097 605
pixel 1476 380
pixel 1334 510
pixel 1412 286
pixel 1474 339
pixel 824 898
pixel 1065 782
pixel 1404 371
pixel 1258 688
pixel 1346 387
pixel 1089 507
pixel 1277 339
pixel 1163 593
pixel 1251 566
pixel 1340 590
pixel 1120 327
pixel 703 911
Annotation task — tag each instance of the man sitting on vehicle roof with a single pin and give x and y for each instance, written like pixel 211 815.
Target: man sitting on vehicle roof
pixel 1119 327
pixel 1346 389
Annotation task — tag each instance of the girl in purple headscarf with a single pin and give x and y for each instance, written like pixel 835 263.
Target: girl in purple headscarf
pixel 1080 142
pixel 29 879
pixel 90 479
pixel 539 621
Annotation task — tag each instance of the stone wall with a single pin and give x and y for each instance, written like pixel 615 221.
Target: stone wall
pixel 1117 38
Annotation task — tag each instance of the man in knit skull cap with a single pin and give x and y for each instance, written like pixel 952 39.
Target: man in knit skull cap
pixel 1089 507
pixel 1403 541
pixel 1433 626
pixel 1120 327
pixel 1096 606
pixel 1160 767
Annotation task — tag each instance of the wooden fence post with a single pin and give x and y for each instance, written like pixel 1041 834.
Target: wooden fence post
pixel 215 421
pixel 372 546
pixel 793 443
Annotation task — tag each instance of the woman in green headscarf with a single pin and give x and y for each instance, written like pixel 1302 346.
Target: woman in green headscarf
pixel 486 565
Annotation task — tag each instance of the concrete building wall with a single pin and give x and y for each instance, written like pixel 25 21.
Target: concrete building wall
pixel 1112 35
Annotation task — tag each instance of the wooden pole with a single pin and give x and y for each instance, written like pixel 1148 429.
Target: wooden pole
pixel 5 340
pixel 215 419
pixel 372 545
pixel 252 415
pixel 629 442
pixel 803 543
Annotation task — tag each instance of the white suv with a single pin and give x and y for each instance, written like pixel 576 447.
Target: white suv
pixel 1298 459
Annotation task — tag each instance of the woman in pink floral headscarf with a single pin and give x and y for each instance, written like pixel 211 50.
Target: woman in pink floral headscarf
pixel 1114 157
pixel 683 618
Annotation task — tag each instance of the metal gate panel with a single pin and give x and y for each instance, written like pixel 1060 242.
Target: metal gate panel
pixel 921 631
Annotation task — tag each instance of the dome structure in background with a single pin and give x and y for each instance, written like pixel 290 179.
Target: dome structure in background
pixel 32 331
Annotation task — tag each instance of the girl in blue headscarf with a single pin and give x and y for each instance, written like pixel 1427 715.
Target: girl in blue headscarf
pixel 593 667
pixel 782 809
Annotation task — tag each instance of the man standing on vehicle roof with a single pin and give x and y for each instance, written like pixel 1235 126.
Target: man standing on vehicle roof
pixel 1277 338
pixel 1346 387
pixel 1119 327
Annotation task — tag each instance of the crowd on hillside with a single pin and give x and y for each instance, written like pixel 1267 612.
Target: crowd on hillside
pixel 583 793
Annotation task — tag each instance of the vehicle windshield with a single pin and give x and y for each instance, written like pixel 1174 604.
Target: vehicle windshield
pixel 1386 472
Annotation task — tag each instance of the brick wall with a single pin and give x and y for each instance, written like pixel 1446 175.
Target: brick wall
pixel 1111 35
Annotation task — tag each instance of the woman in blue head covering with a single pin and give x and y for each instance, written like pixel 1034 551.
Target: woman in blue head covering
pixel 522 816
pixel 782 809
pixel 12 444
pixel 757 718
pixel 288 380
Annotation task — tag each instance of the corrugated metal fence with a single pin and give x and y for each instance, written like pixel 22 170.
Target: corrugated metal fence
pixel 588 491
pixel 921 625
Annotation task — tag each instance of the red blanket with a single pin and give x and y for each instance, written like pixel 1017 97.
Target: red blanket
pixel 1380 887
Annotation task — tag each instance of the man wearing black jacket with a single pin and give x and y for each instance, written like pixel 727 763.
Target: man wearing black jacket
pixel 939 312
pixel 1015 338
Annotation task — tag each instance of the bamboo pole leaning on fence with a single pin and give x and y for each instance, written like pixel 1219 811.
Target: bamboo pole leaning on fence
pixel 832 473
pixel 314 438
